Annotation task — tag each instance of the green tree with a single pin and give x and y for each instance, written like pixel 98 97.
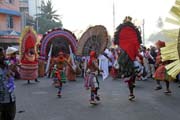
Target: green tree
pixel 48 18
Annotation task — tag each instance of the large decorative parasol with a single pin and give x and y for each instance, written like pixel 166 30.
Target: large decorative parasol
pixel 60 39
pixel 128 38
pixel 174 19
pixel 54 41
pixel 171 52
pixel 94 38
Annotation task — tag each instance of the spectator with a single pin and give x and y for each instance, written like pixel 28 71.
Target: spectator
pixel 7 96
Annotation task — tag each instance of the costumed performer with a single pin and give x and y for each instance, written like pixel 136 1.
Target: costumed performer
pixel 128 38
pixel 91 81
pixel 59 71
pixel 161 73
pixel 28 55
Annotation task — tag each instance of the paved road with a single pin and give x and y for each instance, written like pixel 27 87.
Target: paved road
pixel 38 101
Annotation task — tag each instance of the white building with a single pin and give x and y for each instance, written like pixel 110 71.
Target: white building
pixel 34 7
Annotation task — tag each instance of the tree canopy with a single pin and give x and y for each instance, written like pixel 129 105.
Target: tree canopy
pixel 47 19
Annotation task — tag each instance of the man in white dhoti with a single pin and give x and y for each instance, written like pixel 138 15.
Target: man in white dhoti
pixel 104 61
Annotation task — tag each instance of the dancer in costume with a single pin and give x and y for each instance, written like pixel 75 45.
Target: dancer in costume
pixel 92 80
pixel 160 73
pixel 59 71
pixel 128 38
pixel 53 41
pixel 28 55
pixel 93 41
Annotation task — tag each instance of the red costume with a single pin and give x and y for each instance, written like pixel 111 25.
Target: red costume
pixel 128 38
pixel 28 55
pixel 161 73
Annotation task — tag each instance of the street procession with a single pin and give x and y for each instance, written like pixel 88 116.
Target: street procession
pixel 109 70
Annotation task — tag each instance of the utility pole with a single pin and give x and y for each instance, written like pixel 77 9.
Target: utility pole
pixel 113 17
pixel 143 34
pixel 37 26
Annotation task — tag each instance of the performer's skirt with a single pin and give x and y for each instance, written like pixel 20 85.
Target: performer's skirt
pixel 126 65
pixel 71 75
pixel 113 72
pixel 59 79
pixel 29 71
pixel 160 73
pixel 63 77
pixel 91 81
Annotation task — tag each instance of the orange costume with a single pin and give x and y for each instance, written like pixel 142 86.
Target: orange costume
pixel 59 77
pixel 71 74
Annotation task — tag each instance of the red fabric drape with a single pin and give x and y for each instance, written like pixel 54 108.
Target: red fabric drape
pixel 129 42
pixel 92 57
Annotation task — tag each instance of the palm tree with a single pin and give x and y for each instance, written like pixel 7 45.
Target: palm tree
pixel 48 15
pixel 48 12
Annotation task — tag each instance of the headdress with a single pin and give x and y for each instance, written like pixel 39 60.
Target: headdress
pixel 94 38
pixel 160 44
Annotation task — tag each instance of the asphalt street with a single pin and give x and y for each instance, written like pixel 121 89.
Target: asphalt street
pixel 38 101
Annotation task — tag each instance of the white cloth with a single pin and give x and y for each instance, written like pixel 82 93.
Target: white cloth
pixel 110 55
pixel 103 65
pixel 11 50
pixel 138 67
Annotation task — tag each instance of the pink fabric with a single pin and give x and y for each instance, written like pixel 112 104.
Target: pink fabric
pixel 28 71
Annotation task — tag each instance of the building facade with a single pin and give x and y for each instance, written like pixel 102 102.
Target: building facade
pixel 26 19
pixel 10 25
pixel 34 7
